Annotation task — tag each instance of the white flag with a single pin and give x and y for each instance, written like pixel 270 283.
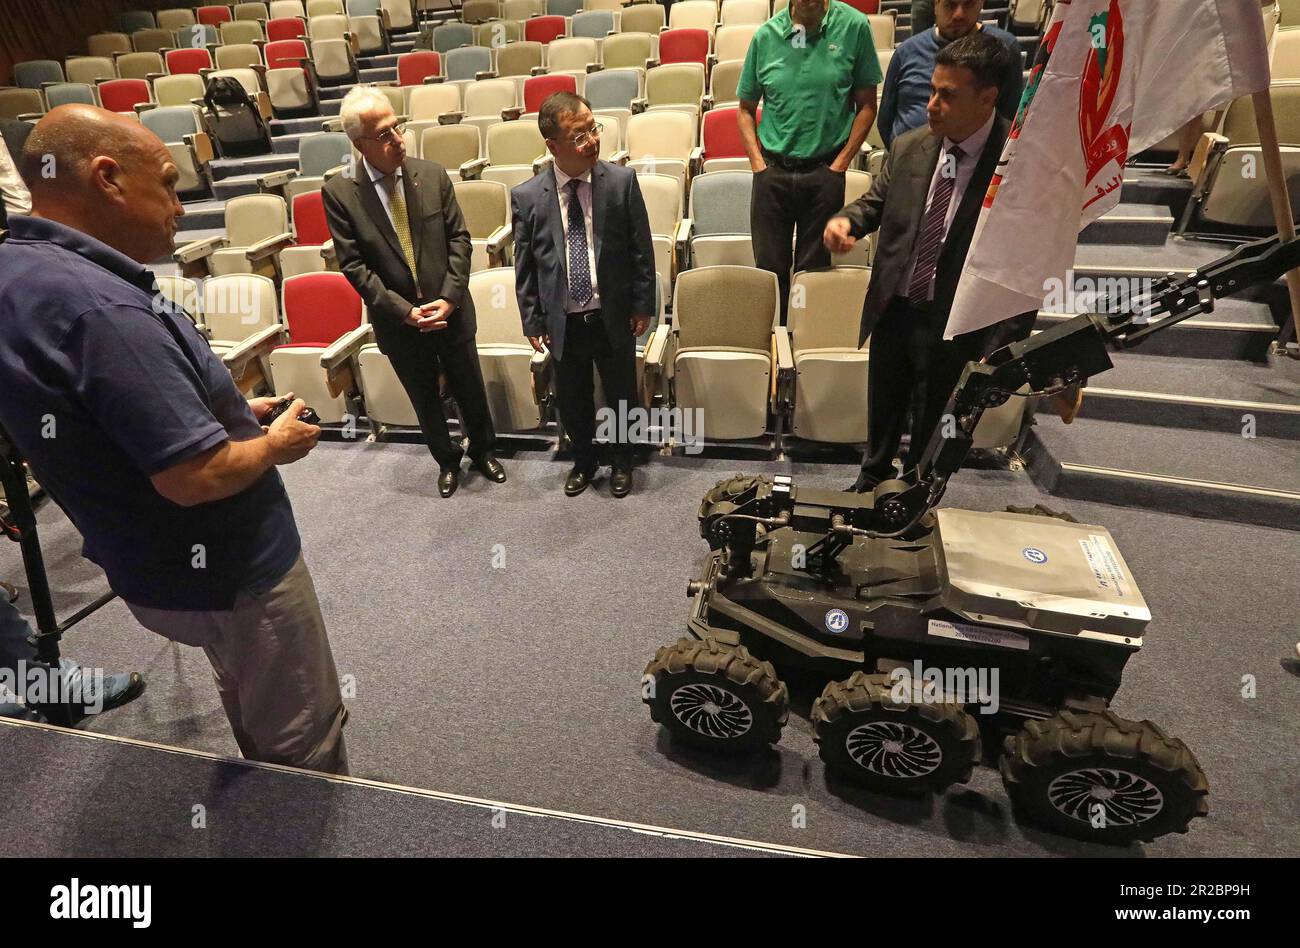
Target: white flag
pixel 1112 78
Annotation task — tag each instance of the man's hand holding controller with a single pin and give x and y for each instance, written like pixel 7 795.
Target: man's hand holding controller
pixel 288 436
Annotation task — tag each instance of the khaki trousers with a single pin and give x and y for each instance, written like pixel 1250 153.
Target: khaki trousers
pixel 274 670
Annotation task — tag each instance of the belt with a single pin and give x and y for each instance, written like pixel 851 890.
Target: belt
pixel 588 316
pixel 800 164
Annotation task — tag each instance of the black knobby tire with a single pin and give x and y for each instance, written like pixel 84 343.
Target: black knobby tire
pixel 905 747
pixel 716 697
pixel 1099 777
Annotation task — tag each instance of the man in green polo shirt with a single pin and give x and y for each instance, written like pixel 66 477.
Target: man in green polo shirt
pixel 814 66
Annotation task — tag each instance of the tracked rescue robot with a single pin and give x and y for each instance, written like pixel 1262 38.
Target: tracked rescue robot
pixel 945 631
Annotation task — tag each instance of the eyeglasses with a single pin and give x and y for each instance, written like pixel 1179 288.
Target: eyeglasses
pixel 582 138
pixel 393 135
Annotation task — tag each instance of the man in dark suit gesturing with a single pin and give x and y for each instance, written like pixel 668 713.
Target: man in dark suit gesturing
pixel 585 276
pixel 401 241
pixel 925 203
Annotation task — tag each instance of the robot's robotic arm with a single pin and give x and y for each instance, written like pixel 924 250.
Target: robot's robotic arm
pixel 1056 362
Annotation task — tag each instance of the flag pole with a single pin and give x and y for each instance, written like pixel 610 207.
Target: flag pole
pixel 1277 191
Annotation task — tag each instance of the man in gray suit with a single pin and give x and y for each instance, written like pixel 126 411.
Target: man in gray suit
pixel 585 277
pixel 925 204
pixel 402 242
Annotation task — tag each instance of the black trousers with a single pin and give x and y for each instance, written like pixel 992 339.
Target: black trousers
pixel 913 373
pixel 418 359
pixel 586 349
pixel 793 207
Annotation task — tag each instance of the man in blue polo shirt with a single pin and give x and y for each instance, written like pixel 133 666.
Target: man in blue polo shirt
pixel 906 94
pixel 141 436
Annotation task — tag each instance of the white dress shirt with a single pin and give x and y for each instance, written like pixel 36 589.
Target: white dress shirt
pixel 584 198
pixel 17 199
pixel 378 178
pixel 972 147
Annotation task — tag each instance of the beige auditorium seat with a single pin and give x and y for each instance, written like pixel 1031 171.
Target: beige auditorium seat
pixel 516 378
pixel 177 90
pixel 693 14
pixel 642 18
pixel 628 50
pixel 485 205
pixel 664 143
pixel 744 12
pixel 677 87
pixel 108 44
pixel 486 99
pixel 822 374
pixel 882 29
pixel 856 184
pixel 458 148
pixel 257 229
pixel 720 347
pixel 662 194
pixel 514 151
pixel 139 66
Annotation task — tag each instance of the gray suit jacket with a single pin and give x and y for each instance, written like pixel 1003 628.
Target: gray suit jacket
pixel 895 206
pixel 625 262
pixel 15 135
pixel 370 255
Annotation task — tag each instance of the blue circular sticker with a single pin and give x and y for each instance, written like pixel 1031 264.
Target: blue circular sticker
pixel 837 621
pixel 1034 555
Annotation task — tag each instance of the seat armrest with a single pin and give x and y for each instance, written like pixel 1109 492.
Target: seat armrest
pixel 434 80
pixel 197 250
pixel 695 162
pixel 706 102
pixel 327 254
pixel 653 367
pixel 336 171
pixel 541 369
pixel 540 163
pixel 499 239
pixel 346 347
pixel 332 125
pixel 784 388
pixel 258 345
pixel 651 63
pixel 276 179
pixel 1205 155
pixel 682 242
pixel 537 71
pixel 639 104
pixel 268 247
pixel 142 107
pixel 512 113
pixel 472 170
pixel 595 67
pixel 201 146
pixel 620 157
pixel 485 74
pixel 450 118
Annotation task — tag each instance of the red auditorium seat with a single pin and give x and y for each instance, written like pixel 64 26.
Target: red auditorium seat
pixel 285 28
pixel 285 54
pixel 537 88
pixel 213 16
pixel 685 45
pixel 123 95
pixel 543 29
pixel 864 6
pixel 309 224
pixel 720 135
pixel 413 68
pixel 319 308
pixel 182 61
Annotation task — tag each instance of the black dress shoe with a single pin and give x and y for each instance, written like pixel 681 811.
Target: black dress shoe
pixel 448 481
pixel 620 481
pixel 491 468
pixel 578 480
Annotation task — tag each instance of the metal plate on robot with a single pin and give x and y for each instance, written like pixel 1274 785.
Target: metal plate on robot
pixel 1041 572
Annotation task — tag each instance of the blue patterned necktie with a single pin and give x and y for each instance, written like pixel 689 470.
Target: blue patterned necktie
pixel 579 269
pixel 930 242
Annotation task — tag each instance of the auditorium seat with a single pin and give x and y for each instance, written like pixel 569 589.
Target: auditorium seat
pixel 286 28
pixel 131 20
pixel 716 230
pixel 319 309
pixel 449 36
pixel 108 44
pixel 494 34
pixel 183 292
pixel 693 14
pixel 367 22
pixel 486 100
pixel 467 63
pixel 291 78
pixel 415 67
pixel 572 54
pixel 627 50
pixel 642 18
pixel 284 9
pixel 1286 55
pixel 720 348
pixel 178 90
pixel 724 78
pixel 517 59
pixel 400 15
pixel 241 31
pixel 182 62
pixel 856 184
pixel 313 245
pixel 257 229
pixel 88 69
pixel 545 29
pixel 678 87
pixel 724 149
pixel 317 8
pixel 238 56
pixel 883 27
pixel 355 370
pixel 251 80
pixel 592 24
pixel 16 103
pixel 176 18
pixel 614 5
pixel 613 134
pixel 662 194
pixel 485 206
pixel 139 66
pixel 1026 15
pixel 123 95
pixel 616 89
pixel 198 36
pixel 731 43
pixel 822 374
pixel 70 93
pixel 744 13
pixel 252 11
pixel 663 143
pixel 155 41
pixel 684 45
pixel 321 155
pixel 869 7
pixel 458 148
pixel 333 58
pixel 538 88
pixel 35 73
pixel 513 150
pixel 515 377
pixel 567 8
pixel 428 105
pixel 238 307
pixel 213 15
pixel 521 10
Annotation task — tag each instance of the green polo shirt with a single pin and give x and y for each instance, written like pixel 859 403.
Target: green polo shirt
pixel 807 85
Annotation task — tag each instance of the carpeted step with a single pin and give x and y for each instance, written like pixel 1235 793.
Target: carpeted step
pixel 224 168
pixel 295 126
pixel 1146 224
pixel 1213 474
pixel 1148 186
pixel 1223 396
pixel 236 186
pixel 381 74
pixel 1237 329
pixel 383 61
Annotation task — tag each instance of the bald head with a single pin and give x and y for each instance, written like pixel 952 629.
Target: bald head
pixel 105 175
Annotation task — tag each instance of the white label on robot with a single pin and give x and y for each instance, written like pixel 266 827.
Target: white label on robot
pixel 1106 571
pixel 978 634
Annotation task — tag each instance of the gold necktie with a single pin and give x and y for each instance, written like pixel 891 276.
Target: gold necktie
pixel 401 223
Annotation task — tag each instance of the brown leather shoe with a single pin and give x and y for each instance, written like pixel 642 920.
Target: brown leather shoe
pixel 578 481
pixel 620 481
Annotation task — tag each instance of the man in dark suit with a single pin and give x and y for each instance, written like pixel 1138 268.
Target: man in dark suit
pixel 925 203
pixel 15 198
pixel 401 241
pixel 585 276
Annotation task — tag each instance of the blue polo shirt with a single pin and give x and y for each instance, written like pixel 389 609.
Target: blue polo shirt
pixel 102 384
